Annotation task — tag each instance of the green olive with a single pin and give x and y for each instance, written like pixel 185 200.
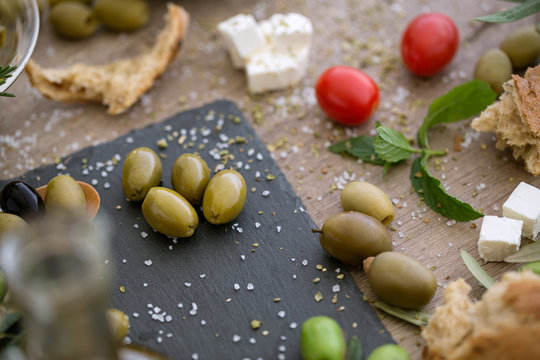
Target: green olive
pixel 122 15
pixel 10 222
pixel 55 2
pixel 224 197
pixel 170 213
pixel 3 286
pixel 73 20
pixel 190 175
pixel 142 171
pixel 389 352
pixel 118 323
pixel 532 266
pixel 495 68
pixel 522 46
pixel 64 194
pixel 2 35
pixel 352 236
pixel 401 280
pixel 368 199
pixel 321 338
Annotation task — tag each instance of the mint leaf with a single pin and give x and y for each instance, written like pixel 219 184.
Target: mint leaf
pixel 391 145
pixel 461 102
pixel 526 8
pixel 476 270
pixel 431 191
pixel 354 349
pixel 360 147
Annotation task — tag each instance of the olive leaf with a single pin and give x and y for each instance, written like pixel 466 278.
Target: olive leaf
pixel 431 191
pixel 391 145
pixel 414 317
pixel 354 349
pixel 526 8
pixel 528 253
pixel 360 147
pixel 476 270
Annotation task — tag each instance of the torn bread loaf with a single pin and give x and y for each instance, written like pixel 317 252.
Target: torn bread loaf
pixel 504 325
pixel 515 119
pixel 119 84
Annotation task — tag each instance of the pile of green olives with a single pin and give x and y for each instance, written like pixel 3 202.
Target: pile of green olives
pixel 77 19
pixel 518 50
pixel 359 233
pixel 172 211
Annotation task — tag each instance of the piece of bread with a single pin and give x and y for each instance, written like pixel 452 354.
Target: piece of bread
pixel 515 119
pixel 119 84
pixel 504 325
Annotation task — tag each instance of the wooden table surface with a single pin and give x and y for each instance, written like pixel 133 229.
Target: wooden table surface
pixel 364 34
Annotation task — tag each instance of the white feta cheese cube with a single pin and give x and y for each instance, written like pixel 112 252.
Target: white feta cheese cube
pixel 524 204
pixel 499 238
pixel 290 31
pixel 269 70
pixel 242 37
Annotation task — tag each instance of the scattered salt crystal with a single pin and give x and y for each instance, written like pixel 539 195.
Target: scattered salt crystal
pixel 293 325
pixel 335 288
pixel 148 262
pixel 236 338
pixel 281 314
pixel 250 286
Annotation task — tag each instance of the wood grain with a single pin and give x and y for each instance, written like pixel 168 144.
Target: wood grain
pixel 365 34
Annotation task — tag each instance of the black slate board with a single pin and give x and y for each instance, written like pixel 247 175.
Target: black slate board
pixel 270 246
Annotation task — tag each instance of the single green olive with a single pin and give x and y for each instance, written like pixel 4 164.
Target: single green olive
pixel 142 171
pixel 3 286
pixel 401 280
pixel 321 338
pixel 10 223
pixel 2 35
pixel 122 15
pixel 224 197
pixel 368 199
pixel 532 266
pixel 189 177
pixel 522 46
pixel 170 213
pixel 495 68
pixel 389 352
pixel 351 236
pixel 73 20
pixel 118 323
pixel 64 194
pixel 55 2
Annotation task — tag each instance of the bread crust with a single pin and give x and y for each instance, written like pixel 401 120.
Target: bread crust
pixel 119 84
pixel 504 325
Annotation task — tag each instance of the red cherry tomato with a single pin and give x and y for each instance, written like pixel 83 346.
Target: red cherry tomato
pixel 429 43
pixel 347 95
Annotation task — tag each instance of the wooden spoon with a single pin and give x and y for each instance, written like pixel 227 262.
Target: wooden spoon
pixel 90 193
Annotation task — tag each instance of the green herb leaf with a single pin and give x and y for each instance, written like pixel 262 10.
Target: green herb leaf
pixel 360 147
pixel 476 270
pixel 431 191
pixel 528 253
pixel 532 266
pixel 354 349
pixel 526 8
pixel 5 72
pixel 460 103
pixel 412 316
pixel 391 145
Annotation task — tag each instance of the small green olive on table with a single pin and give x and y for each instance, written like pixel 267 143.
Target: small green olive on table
pixel 368 199
pixel 522 46
pixel 532 266
pixel 73 20
pixel 495 68
pixel 224 197
pixel 10 223
pixel 142 171
pixel 321 338
pixel 351 236
pixel 401 280
pixel 64 194
pixel 122 15
pixel 118 323
pixel 389 352
pixel 189 177
pixel 170 213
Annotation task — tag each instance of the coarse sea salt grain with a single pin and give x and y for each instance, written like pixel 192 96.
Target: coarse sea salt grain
pixel 281 314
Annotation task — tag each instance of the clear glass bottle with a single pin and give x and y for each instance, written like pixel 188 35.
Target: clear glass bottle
pixel 57 277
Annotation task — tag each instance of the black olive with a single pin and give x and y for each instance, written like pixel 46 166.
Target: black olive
pixel 21 199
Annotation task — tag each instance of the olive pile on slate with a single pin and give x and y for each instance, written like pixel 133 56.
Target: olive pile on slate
pixel 518 50
pixel 360 233
pixel 172 211
pixel 77 19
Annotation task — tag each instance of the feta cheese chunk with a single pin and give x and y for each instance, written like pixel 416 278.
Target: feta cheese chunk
pixel 290 31
pixel 524 204
pixel 242 37
pixel 499 238
pixel 270 70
